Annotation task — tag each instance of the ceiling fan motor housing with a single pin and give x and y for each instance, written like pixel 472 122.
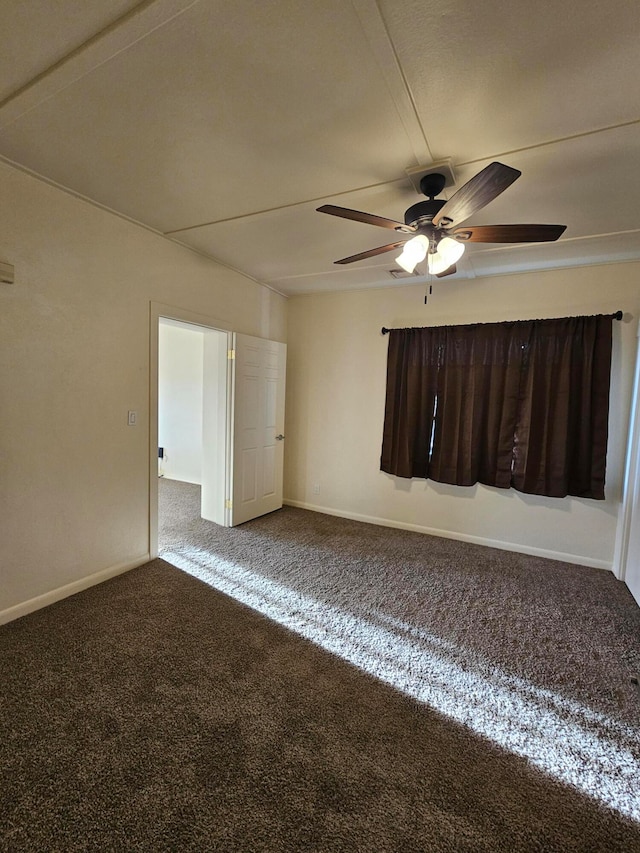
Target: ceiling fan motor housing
pixel 423 211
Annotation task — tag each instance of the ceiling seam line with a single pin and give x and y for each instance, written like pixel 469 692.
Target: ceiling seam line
pixel 482 248
pixel 81 49
pixel 405 82
pixel 400 75
pixel 397 180
pixel 548 142
pixel 282 207
pixel 421 283
pixel 132 221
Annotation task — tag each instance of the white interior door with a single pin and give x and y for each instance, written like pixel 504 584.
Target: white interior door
pixel 632 575
pixel 626 561
pixel 257 429
pixel 631 502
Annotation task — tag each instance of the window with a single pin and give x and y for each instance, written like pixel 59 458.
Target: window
pixel 521 405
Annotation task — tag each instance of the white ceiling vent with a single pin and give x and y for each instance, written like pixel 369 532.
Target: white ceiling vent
pixel 403 274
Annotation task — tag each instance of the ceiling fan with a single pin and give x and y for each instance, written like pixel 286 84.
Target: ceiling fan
pixel 435 223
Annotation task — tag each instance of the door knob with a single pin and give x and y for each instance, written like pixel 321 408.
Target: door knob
pixel 279 437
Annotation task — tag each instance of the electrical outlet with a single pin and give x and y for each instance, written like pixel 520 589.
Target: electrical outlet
pixel 316 488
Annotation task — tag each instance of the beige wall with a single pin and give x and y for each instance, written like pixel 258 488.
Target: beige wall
pixel 74 358
pixel 335 408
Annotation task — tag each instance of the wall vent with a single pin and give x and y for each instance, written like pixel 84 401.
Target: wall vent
pixel 403 274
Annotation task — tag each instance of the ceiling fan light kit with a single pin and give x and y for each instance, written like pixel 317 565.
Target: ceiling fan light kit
pixel 434 223
pixel 414 251
pixel 448 252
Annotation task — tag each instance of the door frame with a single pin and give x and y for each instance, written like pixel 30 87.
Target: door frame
pixel 158 311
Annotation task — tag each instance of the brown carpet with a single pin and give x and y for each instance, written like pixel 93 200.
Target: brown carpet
pixel 156 713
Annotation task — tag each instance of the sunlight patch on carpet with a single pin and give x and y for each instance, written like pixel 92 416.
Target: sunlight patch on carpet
pixel 576 745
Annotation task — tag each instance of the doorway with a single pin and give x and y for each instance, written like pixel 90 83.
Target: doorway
pixel 192 412
pixel 242 415
pixel 189 409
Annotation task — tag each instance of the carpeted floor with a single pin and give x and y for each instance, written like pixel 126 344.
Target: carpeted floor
pixel 383 691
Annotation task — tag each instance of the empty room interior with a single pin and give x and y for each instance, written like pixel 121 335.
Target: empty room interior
pixel 320 431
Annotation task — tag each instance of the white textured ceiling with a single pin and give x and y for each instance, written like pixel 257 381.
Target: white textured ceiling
pixel 225 125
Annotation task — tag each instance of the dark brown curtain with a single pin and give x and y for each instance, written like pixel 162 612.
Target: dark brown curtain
pixel 522 404
pixel 413 364
pixel 560 441
pixel 476 408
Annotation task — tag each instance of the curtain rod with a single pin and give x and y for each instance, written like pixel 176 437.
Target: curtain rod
pixel 616 316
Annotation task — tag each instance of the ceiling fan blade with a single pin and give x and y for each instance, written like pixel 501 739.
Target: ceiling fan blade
pixel 367 218
pixel 508 233
pixel 449 271
pixel 480 190
pixel 371 253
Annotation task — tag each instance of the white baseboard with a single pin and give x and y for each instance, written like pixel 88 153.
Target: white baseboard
pixel 65 591
pixel 461 537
